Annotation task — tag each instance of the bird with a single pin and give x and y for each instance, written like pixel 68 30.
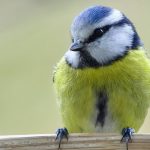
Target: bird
pixel 102 82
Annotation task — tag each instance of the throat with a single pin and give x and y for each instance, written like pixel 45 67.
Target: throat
pixel 87 61
pixel 80 60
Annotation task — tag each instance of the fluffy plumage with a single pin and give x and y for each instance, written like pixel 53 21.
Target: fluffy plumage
pixel 126 82
pixel 103 80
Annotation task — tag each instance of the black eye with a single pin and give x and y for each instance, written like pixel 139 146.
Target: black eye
pixel 98 32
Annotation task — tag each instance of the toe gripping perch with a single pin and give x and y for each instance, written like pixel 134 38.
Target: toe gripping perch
pixel 60 134
pixel 127 135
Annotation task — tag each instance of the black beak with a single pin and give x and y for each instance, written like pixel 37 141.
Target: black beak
pixel 77 46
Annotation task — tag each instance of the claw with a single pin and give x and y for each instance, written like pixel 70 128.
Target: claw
pixel 127 135
pixel 60 134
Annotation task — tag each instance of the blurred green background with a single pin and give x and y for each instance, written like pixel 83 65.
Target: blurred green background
pixel 34 34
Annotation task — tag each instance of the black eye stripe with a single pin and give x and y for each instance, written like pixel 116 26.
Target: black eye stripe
pixel 98 32
pixel 103 30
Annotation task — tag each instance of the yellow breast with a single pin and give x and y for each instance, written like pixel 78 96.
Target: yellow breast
pixel 126 81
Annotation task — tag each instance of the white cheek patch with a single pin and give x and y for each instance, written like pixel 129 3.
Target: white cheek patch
pixel 112 44
pixel 72 58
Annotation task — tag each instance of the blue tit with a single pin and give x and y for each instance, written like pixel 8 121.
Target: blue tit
pixel 103 81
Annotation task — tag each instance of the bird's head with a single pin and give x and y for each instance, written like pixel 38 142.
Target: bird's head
pixel 100 35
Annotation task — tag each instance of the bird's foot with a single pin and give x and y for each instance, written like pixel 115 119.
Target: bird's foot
pixel 127 135
pixel 60 134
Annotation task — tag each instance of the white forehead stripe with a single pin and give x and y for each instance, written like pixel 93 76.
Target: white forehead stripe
pixel 115 16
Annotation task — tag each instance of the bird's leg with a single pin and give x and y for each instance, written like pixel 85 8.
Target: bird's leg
pixel 126 135
pixel 60 134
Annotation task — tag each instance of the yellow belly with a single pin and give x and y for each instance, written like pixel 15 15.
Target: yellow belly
pixel 127 83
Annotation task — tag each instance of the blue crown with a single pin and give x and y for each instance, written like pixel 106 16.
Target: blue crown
pixel 93 14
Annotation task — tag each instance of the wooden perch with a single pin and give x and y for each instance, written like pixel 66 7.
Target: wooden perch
pixel 75 142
